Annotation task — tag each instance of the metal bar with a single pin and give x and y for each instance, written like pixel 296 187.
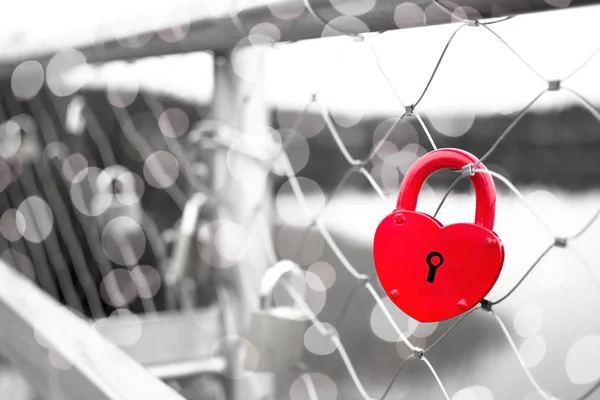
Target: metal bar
pixel 239 105
pixel 209 32
pixel 165 338
pixel 61 355
pixel 189 369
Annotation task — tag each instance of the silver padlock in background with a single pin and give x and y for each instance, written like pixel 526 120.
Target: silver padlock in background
pixel 277 333
pixel 186 271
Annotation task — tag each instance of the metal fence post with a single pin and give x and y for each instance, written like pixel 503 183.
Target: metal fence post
pixel 244 186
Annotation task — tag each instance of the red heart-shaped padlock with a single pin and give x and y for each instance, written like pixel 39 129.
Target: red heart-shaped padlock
pixel 430 271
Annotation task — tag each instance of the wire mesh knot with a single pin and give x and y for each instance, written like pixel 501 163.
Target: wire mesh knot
pixel 486 305
pixel 561 242
pixel 467 170
pixel 409 110
pixel 418 353
pixel 554 85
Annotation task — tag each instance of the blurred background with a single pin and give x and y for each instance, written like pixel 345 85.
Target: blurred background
pixel 156 158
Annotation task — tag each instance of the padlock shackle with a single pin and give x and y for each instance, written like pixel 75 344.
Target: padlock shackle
pixel 456 159
pixel 281 270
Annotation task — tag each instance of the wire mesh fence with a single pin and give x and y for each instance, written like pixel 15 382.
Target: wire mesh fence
pixel 97 187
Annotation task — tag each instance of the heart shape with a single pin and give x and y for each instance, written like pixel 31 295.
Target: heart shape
pixel 469 256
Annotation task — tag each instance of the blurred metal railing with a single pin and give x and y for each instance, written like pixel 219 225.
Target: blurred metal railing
pixel 220 27
pixel 61 354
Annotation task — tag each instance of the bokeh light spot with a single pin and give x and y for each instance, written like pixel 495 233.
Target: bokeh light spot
pixel 73 165
pixel 316 342
pixel 161 169
pixel 466 13
pixel 345 24
pixel 325 272
pixel 247 57
pixel 287 9
pixel 173 122
pixel 5 175
pixel 223 243
pixel 345 119
pixel 132 188
pixel 315 295
pixel 12 223
pixel 452 125
pixel 10 139
pixel 123 240
pixel 39 219
pixel 421 329
pixel 559 3
pixel 314 282
pixel 528 320
pixel 126 337
pixel 134 41
pixel 385 149
pixel 266 29
pixel 409 15
pixel 147 280
pixel 59 65
pixel 121 98
pixel 353 7
pixel 404 159
pixel 474 393
pixel 533 351
pixel 382 327
pixel 27 80
pixel 583 360
pixel 305 386
pixel 297 150
pixel 231 241
pixel 175 33
pixel 117 289
pixel 85 194
pixel 313 291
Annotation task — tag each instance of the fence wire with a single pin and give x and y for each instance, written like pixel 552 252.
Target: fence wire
pixel 358 166
pixel 60 257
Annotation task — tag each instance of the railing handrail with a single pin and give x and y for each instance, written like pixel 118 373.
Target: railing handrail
pixel 220 35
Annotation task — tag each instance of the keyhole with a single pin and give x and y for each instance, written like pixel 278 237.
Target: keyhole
pixel 433 267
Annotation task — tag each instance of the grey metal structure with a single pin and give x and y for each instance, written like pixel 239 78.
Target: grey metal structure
pixel 183 343
pixel 232 92
pixel 221 35
pixel 86 365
